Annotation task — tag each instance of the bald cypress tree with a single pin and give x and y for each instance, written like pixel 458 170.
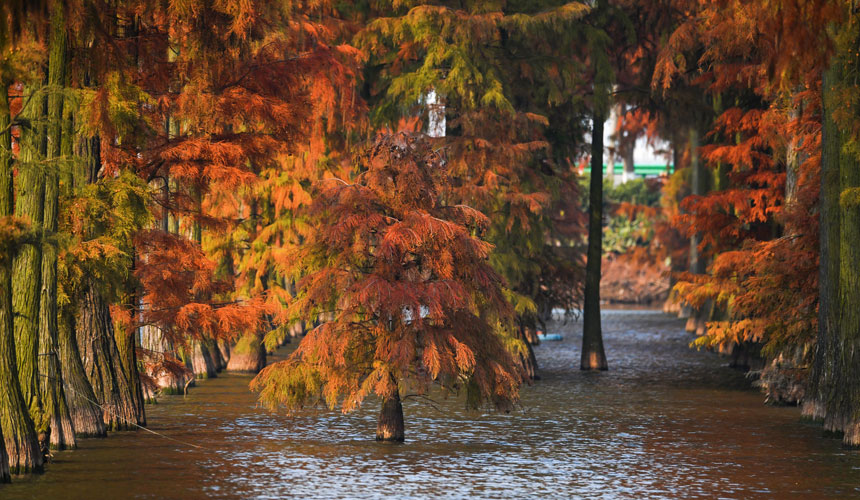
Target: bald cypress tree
pixel 50 374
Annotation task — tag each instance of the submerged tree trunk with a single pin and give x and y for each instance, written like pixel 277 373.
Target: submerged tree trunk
pixel 50 375
pixel 593 356
pixel 248 355
pixel 389 427
pixel 27 265
pixel 101 361
pixel 85 411
pixel 19 435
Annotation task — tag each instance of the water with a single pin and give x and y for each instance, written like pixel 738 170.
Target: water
pixel 665 422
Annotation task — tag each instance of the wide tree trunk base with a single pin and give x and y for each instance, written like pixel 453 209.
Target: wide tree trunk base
pixel 62 434
pixel 593 361
pixel 24 455
pixel 202 362
pixel 247 356
pixel 389 427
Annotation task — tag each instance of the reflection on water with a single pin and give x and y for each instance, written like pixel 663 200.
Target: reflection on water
pixel 665 421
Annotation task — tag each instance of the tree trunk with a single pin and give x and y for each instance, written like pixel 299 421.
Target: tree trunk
pixel 593 356
pixel 629 161
pixel 217 358
pixel 101 361
pixel 389 427
pixel 224 349
pixel 83 404
pixel 248 355
pixel 27 265
pixel 165 381
pixel 21 447
pixel 5 477
pixel 698 184
pixel 528 360
pixel 835 381
pixel 127 348
pixel 50 375
pixel 202 362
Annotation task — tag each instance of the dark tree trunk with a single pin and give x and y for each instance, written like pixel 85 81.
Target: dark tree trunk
pixel 528 360
pixel 4 461
pixel 593 356
pixel 21 447
pixel 389 427
pixel 101 361
pixel 83 404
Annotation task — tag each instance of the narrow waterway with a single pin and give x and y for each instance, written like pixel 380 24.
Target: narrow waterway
pixel 664 422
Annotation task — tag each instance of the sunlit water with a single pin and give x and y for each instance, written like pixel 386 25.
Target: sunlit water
pixel 664 422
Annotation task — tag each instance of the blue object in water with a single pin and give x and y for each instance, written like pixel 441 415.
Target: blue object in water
pixel 549 336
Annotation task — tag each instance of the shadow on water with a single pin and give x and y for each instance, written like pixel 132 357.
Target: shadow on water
pixel 664 422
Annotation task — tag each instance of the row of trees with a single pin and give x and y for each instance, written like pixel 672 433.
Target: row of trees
pixel 187 184
pixel 173 184
pixel 774 220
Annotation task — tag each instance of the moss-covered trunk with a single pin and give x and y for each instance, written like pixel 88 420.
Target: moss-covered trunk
pixel 50 374
pixel 27 265
pixel 101 359
pixel 19 436
pixel 593 356
pixel 248 355
pixel 834 394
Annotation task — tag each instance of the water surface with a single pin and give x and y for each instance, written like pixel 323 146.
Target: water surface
pixel 664 422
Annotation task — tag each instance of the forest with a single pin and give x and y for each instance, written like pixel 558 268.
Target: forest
pixel 354 208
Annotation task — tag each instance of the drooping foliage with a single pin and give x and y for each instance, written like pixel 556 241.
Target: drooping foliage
pixel 411 297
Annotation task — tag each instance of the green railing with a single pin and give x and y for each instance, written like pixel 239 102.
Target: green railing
pixel 640 170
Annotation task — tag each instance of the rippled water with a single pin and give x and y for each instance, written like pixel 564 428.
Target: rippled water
pixel 665 421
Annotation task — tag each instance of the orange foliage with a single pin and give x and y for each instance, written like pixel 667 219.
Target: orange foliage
pixel 408 287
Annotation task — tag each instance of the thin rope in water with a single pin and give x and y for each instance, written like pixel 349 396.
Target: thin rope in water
pixel 135 424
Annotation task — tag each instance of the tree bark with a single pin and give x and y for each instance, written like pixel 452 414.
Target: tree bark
pixel 127 348
pixel 27 265
pixel 248 355
pixel 593 356
pixel 50 375
pixel 202 362
pixel 21 447
pixel 101 361
pixel 835 381
pixel 389 427
pixel 83 404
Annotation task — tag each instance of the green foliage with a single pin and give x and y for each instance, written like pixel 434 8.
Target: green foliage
pixel 98 225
